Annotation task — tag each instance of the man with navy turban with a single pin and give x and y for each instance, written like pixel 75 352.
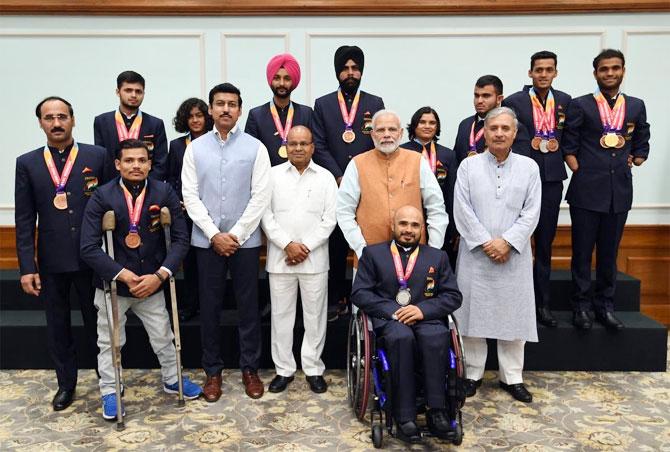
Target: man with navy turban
pixel 271 121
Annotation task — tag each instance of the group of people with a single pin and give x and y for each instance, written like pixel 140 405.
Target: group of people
pixel 318 182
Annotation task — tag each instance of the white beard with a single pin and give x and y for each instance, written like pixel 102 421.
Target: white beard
pixel 387 148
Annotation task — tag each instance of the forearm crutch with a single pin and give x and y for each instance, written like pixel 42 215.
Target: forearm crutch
pixel 166 222
pixel 112 308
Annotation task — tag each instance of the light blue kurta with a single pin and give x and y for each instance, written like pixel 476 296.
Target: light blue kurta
pixel 492 200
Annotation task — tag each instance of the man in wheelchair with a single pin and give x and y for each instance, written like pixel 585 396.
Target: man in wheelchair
pixel 408 290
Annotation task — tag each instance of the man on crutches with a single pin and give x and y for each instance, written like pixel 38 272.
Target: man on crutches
pixel 140 265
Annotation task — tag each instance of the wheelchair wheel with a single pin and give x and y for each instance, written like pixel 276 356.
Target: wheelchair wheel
pixel 377 436
pixel 457 344
pixel 358 364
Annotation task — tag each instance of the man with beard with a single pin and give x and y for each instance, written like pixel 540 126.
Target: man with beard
pixel 496 208
pixel 541 109
pixel 342 124
pixel 606 133
pixel 408 308
pixel 128 122
pixel 469 138
pixel 53 185
pixel 380 181
pixel 271 122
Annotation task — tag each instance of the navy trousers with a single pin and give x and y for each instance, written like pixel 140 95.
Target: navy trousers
pixel 544 234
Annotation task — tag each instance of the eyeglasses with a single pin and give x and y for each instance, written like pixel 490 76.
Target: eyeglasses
pixel 52 118
pixel 302 144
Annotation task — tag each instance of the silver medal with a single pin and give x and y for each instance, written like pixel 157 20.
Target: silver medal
pixel 403 297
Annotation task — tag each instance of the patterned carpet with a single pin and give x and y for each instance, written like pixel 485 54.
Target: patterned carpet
pixel 571 411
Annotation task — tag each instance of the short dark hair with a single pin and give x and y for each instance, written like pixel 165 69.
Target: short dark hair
pixel 38 109
pixel 224 88
pixel 131 143
pixel 416 117
pixel 608 53
pixel 129 77
pixel 180 120
pixel 543 55
pixel 486 80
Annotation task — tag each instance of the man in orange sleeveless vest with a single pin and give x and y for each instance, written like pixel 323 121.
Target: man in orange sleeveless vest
pixel 378 182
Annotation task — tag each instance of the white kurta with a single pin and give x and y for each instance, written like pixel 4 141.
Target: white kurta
pixel 492 200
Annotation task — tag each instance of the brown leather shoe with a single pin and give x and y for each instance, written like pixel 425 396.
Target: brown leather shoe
pixel 253 385
pixel 212 388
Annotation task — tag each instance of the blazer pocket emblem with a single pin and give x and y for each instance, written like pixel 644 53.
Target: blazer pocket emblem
pixel 429 291
pixel 367 123
pixel 154 218
pixel 90 185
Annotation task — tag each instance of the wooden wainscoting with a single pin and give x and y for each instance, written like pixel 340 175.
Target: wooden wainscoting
pixel 644 253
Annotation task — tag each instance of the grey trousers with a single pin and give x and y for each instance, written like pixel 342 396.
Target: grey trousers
pixel 151 311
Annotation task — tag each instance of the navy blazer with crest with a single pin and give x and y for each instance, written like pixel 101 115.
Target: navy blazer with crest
pixel 58 230
pixel 432 284
pixel 604 181
pixel 152 130
pixel 151 254
pixel 260 125
pixel 330 151
pixel 552 165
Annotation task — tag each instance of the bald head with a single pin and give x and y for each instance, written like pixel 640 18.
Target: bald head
pixel 407 225
pixel 299 147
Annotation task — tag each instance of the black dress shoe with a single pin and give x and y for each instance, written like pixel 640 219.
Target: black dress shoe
pixel 471 386
pixel 279 383
pixel 518 391
pixel 546 318
pixel 187 314
pixel 581 320
pixel 62 399
pixel 317 384
pixel 438 423
pixel 609 321
pixel 408 432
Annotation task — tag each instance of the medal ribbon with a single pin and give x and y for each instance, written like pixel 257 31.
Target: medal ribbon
pixel 430 156
pixel 544 118
pixel 611 118
pixel 403 276
pixel 60 180
pixel 282 131
pixel 348 117
pixel 134 209
pixel 122 132
pixel 188 139
pixel 475 138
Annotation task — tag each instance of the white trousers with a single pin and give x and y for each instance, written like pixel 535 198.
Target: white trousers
pixel 510 359
pixel 284 299
pixel 151 311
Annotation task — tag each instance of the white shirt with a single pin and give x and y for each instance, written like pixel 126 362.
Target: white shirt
pixel 302 210
pixel 251 216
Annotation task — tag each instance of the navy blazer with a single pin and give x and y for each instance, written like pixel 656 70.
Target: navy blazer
pixel 331 151
pixel 603 182
pixel 151 254
pixel 152 130
pixel 175 163
pixel 552 165
pixel 432 284
pixel 260 125
pixel 446 159
pixel 58 230
pixel 462 144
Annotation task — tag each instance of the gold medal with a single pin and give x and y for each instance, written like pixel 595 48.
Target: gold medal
pixel 133 240
pixel 552 145
pixel 282 152
pixel 611 140
pixel 535 143
pixel 472 153
pixel 621 142
pixel 602 142
pixel 60 201
pixel 543 147
pixel 348 136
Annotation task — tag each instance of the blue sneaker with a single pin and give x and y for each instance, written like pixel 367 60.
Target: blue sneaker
pixel 109 407
pixel 191 390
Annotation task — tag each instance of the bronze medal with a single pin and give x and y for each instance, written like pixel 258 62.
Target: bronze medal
pixel 133 240
pixel 348 136
pixel 543 147
pixel 552 145
pixel 60 201
pixel 282 152
pixel 535 143
pixel 611 140
pixel 621 142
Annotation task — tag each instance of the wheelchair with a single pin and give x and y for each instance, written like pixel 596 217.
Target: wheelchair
pixel 368 380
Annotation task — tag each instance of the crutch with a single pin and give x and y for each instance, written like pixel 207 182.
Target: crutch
pixel 166 222
pixel 112 308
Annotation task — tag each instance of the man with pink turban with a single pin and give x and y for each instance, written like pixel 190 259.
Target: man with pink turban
pixel 271 122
